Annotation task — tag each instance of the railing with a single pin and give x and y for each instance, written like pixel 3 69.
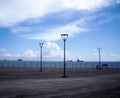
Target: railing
pixel 55 64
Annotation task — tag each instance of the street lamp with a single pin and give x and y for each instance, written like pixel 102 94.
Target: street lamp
pixel 64 37
pixel 41 45
pixel 99 50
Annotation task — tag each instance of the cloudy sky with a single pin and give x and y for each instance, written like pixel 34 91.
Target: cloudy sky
pixel 89 23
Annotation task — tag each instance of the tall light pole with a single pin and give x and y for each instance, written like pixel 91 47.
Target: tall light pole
pixel 64 37
pixel 99 50
pixel 41 45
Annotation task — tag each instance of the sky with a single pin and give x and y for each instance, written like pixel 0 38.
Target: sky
pixel 90 24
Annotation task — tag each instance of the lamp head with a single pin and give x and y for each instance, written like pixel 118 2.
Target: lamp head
pixel 64 36
pixel 41 44
pixel 99 49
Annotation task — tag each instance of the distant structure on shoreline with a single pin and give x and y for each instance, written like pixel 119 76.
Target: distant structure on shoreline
pixel 19 60
pixel 79 60
pixel 69 60
pixel 76 61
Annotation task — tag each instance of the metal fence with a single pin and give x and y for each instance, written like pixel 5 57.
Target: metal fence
pixel 55 64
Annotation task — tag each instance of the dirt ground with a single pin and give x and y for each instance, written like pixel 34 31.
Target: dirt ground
pixel 80 83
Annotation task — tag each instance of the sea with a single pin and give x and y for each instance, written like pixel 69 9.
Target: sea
pixel 56 64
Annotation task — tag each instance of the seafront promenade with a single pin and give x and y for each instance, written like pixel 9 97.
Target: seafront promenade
pixel 80 83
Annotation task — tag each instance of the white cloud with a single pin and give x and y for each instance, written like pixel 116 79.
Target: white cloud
pixel 15 11
pixel 86 4
pixel 18 29
pixel 29 54
pixel 51 45
pixel 52 51
pixel 3 50
pixel 54 33
pixel 8 55
pixel 5 53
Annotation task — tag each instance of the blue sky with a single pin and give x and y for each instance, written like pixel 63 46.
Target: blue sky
pixel 89 23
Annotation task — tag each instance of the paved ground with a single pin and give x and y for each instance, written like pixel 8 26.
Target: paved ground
pixel 80 83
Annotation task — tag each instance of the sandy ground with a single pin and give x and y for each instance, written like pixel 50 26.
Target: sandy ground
pixel 80 83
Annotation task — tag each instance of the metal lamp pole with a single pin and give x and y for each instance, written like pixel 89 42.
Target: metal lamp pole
pixel 41 45
pixel 99 50
pixel 64 37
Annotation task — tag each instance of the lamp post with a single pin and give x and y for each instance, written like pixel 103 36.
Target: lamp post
pixel 99 50
pixel 41 45
pixel 64 37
